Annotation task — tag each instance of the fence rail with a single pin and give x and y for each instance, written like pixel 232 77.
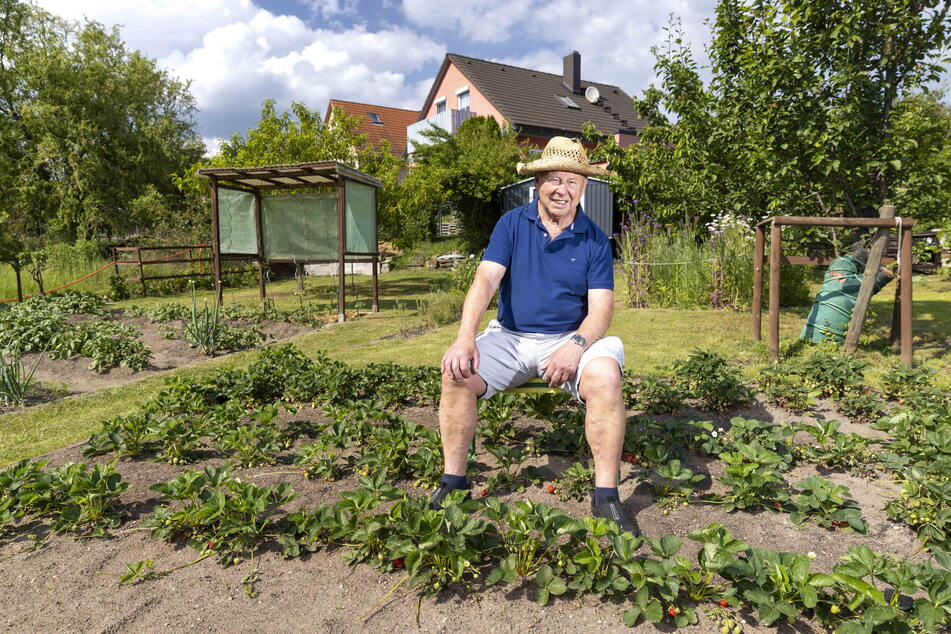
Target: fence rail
pixel 173 258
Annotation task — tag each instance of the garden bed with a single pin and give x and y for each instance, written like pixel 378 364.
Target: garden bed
pixel 56 581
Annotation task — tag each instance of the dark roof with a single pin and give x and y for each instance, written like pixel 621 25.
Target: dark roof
pixel 530 98
pixel 393 128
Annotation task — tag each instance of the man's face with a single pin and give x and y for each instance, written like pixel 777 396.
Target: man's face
pixel 560 192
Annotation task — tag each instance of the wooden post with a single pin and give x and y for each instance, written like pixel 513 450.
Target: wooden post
pixel 775 253
pixel 138 255
pixel 259 234
pixel 895 335
pixel 19 284
pixel 877 249
pixel 904 268
pixel 115 261
pixel 215 239
pixel 375 295
pixel 341 249
pixel 758 251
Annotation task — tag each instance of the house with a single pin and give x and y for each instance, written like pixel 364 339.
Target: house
pixel 539 105
pixel 379 123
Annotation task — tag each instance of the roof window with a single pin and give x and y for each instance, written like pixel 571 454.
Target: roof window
pixel 568 102
pixel 375 118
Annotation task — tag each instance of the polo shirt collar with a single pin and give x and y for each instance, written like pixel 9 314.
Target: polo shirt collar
pixel 580 224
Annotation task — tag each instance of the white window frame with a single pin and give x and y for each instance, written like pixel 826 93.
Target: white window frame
pixel 440 101
pixel 459 93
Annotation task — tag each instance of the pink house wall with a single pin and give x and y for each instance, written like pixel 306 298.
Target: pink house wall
pixel 452 81
pixel 625 140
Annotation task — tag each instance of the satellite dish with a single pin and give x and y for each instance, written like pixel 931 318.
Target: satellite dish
pixel 591 94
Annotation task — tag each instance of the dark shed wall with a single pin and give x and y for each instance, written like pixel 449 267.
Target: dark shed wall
pixel 598 201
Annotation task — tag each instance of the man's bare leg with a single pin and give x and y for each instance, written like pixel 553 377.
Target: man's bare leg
pixel 458 414
pixel 600 387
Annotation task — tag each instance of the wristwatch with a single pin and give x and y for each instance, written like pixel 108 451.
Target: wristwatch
pixel 580 340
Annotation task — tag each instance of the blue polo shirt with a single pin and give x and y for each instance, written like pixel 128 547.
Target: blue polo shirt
pixel 546 282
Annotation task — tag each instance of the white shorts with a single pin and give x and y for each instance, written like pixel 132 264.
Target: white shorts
pixel 509 359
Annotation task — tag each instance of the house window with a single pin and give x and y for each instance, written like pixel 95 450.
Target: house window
pixel 375 118
pixel 568 102
pixel 463 100
pixel 441 105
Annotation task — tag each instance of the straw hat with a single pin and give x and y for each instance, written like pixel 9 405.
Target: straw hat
pixel 563 155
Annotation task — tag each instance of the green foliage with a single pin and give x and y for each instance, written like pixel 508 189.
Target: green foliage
pixel 828 504
pixel 925 506
pixel 901 382
pixel 464 171
pixel 712 380
pixel 786 388
pixel 205 330
pixel 812 109
pixel 656 393
pixel 575 482
pixel 88 127
pixel 15 379
pixel 830 370
pixel 497 415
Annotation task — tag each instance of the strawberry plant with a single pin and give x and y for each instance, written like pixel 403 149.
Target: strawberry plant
pixel 566 434
pixel 257 442
pixel 179 439
pixel 126 436
pixel 925 505
pixel 656 394
pixel 319 461
pixel 786 389
pixel 861 405
pixel 673 484
pixel 509 458
pixel 750 472
pixel 901 381
pixel 575 483
pixel 544 405
pixel 778 584
pixel 835 450
pixel 212 511
pixel 712 381
pixel 832 371
pixel 497 416
pixel 829 505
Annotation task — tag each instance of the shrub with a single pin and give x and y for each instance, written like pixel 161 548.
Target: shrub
pixel 714 382
pixel 439 308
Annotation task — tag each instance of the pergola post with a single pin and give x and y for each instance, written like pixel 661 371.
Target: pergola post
pixel 375 292
pixel 341 248
pixel 259 234
pixel 216 239
pixel 775 253
pixel 904 268
pixel 758 253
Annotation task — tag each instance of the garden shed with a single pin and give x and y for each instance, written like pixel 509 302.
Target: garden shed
pixel 306 213
pixel 597 202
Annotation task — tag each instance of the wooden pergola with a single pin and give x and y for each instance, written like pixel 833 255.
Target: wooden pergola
pixel 324 175
pixel 901 328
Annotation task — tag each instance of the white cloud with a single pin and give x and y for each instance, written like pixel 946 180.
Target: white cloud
pixel 237 55
pixel 614 38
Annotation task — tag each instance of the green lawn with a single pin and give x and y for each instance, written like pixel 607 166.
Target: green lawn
pixel 652 337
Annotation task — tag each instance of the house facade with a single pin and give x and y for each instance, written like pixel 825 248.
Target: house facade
pixel 539 105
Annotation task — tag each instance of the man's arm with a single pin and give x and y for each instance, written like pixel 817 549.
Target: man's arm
pixel 462 357
pixel 563 362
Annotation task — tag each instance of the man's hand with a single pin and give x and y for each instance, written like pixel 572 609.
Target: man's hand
pixel 563 364
pixel 461 359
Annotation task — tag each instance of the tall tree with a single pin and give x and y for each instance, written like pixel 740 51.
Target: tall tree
pixel 465 171
pixel 802 115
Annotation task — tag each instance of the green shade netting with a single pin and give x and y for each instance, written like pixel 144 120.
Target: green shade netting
pixel 832 310
pixel 300 227
pixel 236 224
pixel 361 218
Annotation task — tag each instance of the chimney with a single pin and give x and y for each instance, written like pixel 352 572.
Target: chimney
pixel 572 75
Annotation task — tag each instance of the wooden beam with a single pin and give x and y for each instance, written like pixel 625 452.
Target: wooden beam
pixel 138 255
pixel 775 251
pixel 341 249
pixel 259 236
pixel 215 238
pixel 904 268
pixel 758 256
pixel 877 249
pixel 809 221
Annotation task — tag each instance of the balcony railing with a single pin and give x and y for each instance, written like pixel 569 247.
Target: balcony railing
pixel 448 120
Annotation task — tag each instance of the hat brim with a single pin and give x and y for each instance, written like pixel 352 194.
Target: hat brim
pixel 558 164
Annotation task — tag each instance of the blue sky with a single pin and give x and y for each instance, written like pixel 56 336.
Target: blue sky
pixel 236 53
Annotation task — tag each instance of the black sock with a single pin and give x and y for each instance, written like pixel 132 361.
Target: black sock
pixel 603 494
pixel 454 482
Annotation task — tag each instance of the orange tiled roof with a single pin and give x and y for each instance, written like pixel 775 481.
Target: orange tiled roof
pixel 392 128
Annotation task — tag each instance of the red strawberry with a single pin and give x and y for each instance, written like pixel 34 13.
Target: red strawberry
pixel 399 562
pixel 485 492
pixel 211 545
pixel 551 488
pixel 724 603
pixel 672 611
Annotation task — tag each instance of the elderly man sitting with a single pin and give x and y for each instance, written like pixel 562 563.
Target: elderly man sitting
pixel 553 269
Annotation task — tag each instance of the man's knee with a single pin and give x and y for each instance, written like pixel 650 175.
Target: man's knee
pixel 600 380
pixel 461 388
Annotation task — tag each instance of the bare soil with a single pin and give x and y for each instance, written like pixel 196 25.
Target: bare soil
pixel 59 378
pixel 71 584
